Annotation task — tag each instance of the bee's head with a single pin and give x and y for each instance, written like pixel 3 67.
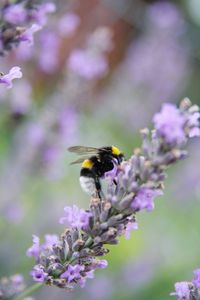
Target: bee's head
pixel 117 154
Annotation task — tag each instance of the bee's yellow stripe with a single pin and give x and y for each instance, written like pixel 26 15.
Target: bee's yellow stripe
pixel 88 164
pixel 115 151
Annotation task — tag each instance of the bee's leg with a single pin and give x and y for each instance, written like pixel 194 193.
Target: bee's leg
pixel 98 187
pixel 115 182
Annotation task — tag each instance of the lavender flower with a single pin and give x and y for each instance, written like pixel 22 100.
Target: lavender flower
pixel 73 272
pixel 15 14
pixel 196 279
pixel 48 60
pixel 91 62
pixel 73 257
pixel 75 217
pixel 144 199
pixel 38 274
pixel 11 287
pixel 181 291
pixel 7 79
pixel 20 20
pixel 129 227
pixel 40 15
pixel 36 249
pixel 86 64
pixel 27 35
pixel 169 124
pixel 188 290
pixel 68 24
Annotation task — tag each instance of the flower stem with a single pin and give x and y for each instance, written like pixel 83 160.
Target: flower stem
pixel 29 291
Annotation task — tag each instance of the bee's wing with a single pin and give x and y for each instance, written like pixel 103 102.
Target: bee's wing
pixel 81 150
pixel 79 161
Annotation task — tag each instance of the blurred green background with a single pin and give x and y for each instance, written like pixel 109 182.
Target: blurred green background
pixel 150 53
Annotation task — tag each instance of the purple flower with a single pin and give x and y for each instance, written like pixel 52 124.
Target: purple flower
pixel 34 250
pixel 196 279
pixel 48 60
pixel 50 240
pixel 75 217
pixel 89 275
pixel 193 124
pixel 15 14
pixel 102 264
pixel 129 227
pixel 87 65
pixel 17 279
pixel 165 15
pixel 27 35
pixel 38 274
pixel 112 173
pixel 181 291
pixel 35 134
pixel 144 199
pixel 15 72
pixel 40 15
pixel 73 272
pixel 68 24
pixel 169 124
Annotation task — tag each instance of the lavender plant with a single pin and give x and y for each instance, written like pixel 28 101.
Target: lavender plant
pixel 15 20
pixel 188 290
pixel 73 257
pixel 19 20
pixel 12 286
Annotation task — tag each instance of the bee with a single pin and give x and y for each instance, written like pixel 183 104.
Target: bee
pixel 95 163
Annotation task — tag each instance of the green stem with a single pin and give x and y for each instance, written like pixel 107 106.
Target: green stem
pixel 29 291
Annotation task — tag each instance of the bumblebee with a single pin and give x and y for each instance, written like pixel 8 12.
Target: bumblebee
pixel 95 163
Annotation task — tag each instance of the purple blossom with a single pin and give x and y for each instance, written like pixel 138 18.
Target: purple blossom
pixel 50 240
pixel 169 124
pixel 73 272
pixel 86 64
pixel 68 24
pixel 75 217
pixel 102 264
pixel 14 73
pixel 40 15
pixel 48 60
pixel 193 123
pixel 34 250
pixel 196 279
pixel 27 35
pixel 35 134
pixel 15 14
pixel 144 199
pixel 129 227
pixel 181 291
pixel 112 173
pixel 17 279
pixel 23 53
pixel 89 275
pixel 165 15
pixel 38 274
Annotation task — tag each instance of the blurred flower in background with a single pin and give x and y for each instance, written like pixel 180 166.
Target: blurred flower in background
pixel 95 73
